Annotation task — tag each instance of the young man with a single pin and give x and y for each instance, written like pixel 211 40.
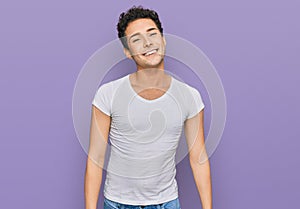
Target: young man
pixel 143 113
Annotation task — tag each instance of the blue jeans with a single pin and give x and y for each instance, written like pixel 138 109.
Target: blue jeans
pixel 173 204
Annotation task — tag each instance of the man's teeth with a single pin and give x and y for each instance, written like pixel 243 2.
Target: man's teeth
pixel 151 52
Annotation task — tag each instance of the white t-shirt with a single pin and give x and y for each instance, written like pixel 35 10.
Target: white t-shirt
pixel 144 135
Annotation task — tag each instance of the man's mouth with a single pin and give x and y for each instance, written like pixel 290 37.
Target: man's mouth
pixel 150 52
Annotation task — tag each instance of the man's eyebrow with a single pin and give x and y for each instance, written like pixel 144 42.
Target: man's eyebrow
pixel 149 29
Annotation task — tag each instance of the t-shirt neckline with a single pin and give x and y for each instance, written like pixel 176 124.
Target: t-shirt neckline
pixel 148 100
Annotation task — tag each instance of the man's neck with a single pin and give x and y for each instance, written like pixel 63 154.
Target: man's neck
pixel 150 77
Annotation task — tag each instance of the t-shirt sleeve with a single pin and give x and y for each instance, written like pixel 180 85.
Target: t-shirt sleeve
pixel 196 104
pixel 102 99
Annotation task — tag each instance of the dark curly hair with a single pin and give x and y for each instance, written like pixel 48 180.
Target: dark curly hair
pixel 132 14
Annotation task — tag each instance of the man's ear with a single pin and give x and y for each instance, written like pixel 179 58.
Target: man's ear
pixel 127 53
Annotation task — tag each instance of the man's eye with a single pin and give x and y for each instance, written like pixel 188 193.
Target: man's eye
pixel 135 40
pixel 153 34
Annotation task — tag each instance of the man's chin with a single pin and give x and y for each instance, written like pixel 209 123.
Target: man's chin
pixel 153 64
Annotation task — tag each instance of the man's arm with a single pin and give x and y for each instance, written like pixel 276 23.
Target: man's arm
pixel 199 162
pixel 99 130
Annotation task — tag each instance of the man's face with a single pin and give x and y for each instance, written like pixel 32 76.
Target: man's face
pixel 146 44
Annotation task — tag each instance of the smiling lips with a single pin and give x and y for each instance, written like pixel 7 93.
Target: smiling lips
pixel 150 52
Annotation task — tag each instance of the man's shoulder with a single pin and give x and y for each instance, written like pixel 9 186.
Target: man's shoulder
pixel 112 84
pixel 184 86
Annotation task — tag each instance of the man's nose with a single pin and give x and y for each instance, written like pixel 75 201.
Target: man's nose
pixel 147 41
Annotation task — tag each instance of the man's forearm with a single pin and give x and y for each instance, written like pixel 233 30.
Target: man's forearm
pixel 93 179
pixel 201 172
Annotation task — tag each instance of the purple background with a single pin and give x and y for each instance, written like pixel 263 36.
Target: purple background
pixel 254 46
